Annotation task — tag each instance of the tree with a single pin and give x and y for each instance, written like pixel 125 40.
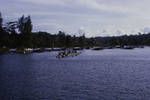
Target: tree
pixel 11 27
pixel 68 41
pixel 1 21
pixel 25 28
pixel 25 25
pixel 82 41
pixel 61 37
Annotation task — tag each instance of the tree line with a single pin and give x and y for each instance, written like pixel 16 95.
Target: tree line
pixel 18 34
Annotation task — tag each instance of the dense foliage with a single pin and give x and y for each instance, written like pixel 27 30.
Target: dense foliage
pixel 19 33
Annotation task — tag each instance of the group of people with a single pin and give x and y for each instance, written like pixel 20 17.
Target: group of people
pixel 65 53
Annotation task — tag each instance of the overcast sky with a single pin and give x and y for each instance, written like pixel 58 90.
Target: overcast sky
pixel 94 17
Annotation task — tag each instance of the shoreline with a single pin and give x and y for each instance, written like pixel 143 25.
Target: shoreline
pixel 4 50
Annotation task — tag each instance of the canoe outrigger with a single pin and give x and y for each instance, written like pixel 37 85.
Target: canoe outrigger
pixel 68 53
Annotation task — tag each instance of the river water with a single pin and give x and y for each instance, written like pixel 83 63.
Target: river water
pixel 112 74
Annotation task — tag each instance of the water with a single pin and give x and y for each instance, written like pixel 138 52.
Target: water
pixel 113 74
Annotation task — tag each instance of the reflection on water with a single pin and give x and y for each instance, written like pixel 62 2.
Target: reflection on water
pixel 94 75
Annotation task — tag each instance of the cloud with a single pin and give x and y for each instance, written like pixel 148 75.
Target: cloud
pixel 71 15
pixel 146 30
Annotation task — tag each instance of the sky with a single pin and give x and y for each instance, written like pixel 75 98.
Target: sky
pixel 75 17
